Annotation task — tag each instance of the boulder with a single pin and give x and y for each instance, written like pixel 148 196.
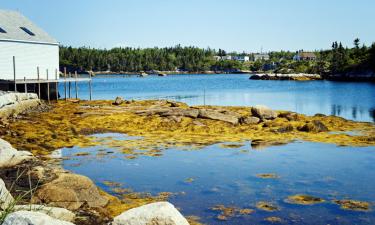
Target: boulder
pixel 118 101
pixel 54 212
pixel 32 218
pixel 6 198
pixel 160 213
pixel 249 120
pixel 10 157
pixel 263 112
pixel 216 115
pixel 314 126
pixel 70 191
pixel 290 116
pixel 285 129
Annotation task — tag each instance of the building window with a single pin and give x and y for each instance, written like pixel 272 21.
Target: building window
pixel 27 31
pixel 2 30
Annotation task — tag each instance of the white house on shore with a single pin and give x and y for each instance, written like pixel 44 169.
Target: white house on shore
pixel 28 47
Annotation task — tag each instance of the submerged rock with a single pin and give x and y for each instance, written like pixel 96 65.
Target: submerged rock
pixel 6 198
pixel 70 191
pixel 314 126
pixel 273 219
pixel 159 213
pixel 304 200
pixel 32 218
pixel 263 112
pixel 268 176
pixel 260 144
pixel 10 157
pixel 267 206
pixel 354 205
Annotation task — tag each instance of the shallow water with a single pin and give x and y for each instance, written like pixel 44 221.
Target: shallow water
pixel 350 100
pixel 228 176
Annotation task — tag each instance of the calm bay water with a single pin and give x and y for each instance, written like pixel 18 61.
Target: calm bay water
pixel 354 101
pixel 228 176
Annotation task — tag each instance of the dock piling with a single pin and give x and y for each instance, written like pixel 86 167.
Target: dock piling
pixel 65 82
pixel 37 71
pixel 90 86
pixel 24 79
pixel 57 86
pixel 14 73
pixel 70 85
pixel 76 86
pixel 48 96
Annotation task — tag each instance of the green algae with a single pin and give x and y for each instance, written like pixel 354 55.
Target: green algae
pixel 353 205
pixel 304 200
pixel 267 206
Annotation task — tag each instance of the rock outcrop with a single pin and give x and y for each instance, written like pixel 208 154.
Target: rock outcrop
pixel 54 212
pixel 32 218
pixel 6 198
pixel 160 213
pixel 118 101
pixel 11 104
pixel 314 126
pixel 9 156
pixel 70 191
pixel 263 112
pixel 216 115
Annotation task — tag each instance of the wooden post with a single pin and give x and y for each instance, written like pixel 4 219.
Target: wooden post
pixel 65 82
pixel 48 96
pixel 90 87
pixel 76 85
pixel 37 69
pixel 14 73
pixel 24 80
pixel 70 85
pixel 57 86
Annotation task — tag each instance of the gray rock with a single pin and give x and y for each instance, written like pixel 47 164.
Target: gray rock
pixel 9 156
pixel 5 197
pixel 32 218
pixel 167 112
pixel 159 213
pixel 215 115
pixel 118 101
pixel 263 112
pixel 249 120
pixel 54 212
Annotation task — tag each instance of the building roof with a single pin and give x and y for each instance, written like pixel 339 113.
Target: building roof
pixel 16 27
pixel 307 55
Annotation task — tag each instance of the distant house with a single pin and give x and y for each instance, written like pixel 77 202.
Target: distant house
pixel 227 57
pixel 217 58
pixel 29 46
pixel 261 56
pixel 305 56
pixel 242 58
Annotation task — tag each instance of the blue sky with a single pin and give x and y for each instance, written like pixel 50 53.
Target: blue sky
pixel 234 25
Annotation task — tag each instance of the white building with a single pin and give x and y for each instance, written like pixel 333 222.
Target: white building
pixel 226 57
pixel 242 58
pixel 30 46
pixel 261 56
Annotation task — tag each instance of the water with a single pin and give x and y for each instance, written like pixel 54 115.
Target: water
pixel 228 176
pixel 355 101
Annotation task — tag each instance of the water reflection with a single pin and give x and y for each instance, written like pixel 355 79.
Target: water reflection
pixel 230 176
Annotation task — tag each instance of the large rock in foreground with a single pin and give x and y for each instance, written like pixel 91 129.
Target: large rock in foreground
pixel 54 212
pixel 5 197
pixel 70 191
pixel 215 115
pixel 160 213
pixel 9 156
pixel 11 104
pixel 32 218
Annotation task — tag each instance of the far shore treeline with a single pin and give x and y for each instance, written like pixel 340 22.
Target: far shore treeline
pixel 339 60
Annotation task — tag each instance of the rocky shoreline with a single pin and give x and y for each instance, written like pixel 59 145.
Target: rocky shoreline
pixel 296 77
pixel 60 195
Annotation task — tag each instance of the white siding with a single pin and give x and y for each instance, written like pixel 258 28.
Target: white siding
pixel 28 56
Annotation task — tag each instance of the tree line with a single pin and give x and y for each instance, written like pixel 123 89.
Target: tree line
pixel 337 60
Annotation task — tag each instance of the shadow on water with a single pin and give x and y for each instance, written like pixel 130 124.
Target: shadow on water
pixel 242 177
